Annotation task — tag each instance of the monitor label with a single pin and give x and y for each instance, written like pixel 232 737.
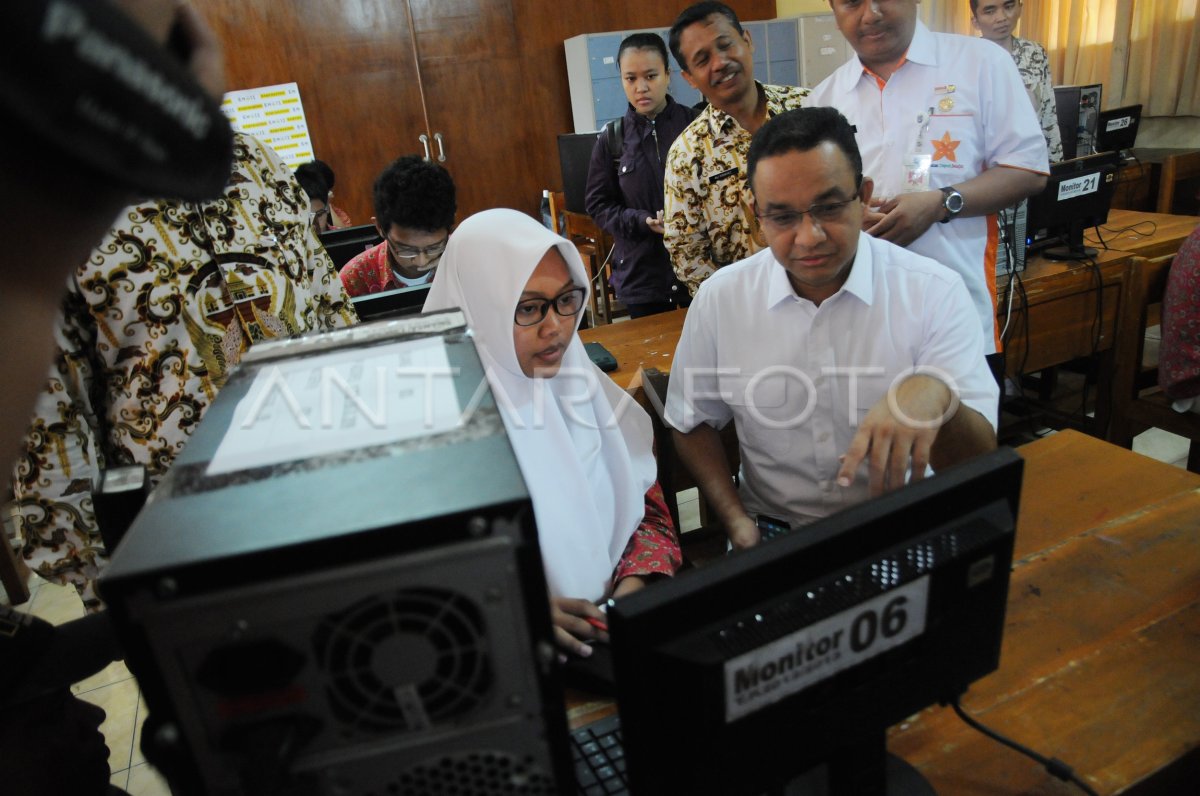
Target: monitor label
pixel 1079 186
pixel 798 660
pixel 1118 124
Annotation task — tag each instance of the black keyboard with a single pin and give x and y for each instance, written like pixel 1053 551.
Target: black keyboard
pixel 599 757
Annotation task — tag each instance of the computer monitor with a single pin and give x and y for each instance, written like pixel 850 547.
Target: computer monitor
pixel 345 244
pixel 1077 196
pixel 1077 108
pixel 1066 106
pixel 574 157
pixel 1117 128
pixel 391 303
pixel 1089 111
pixel 796 655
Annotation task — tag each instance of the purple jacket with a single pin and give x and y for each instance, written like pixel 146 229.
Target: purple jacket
pixel 621 202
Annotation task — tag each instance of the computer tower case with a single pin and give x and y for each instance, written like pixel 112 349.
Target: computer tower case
pixel 362 618
pixel 1010 250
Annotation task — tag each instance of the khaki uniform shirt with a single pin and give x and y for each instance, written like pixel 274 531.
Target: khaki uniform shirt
pixel 708 220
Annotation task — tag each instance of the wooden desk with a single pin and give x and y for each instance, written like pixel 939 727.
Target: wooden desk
pixel 642 342
pixel 1144 234
pixel 1060 310
pixel 1101 659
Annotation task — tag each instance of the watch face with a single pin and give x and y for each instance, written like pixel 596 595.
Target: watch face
pixel 953 201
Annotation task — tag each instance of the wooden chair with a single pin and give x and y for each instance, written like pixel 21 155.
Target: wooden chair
pixel 1139 403
pixel 1184 166
pixel 709 540
pixel 594 246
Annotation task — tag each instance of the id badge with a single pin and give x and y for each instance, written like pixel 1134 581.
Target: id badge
pixel 916 172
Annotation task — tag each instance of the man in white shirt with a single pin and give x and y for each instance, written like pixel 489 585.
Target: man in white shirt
pixel 845 360
pixel 947 133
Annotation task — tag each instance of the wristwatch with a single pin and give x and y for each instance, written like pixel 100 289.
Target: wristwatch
pixel 952 200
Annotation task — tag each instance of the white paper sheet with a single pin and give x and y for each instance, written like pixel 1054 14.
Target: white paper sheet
pixel 352 398
pixel 274 115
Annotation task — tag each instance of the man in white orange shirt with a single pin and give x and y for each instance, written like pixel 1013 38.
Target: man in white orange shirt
pixel 947 133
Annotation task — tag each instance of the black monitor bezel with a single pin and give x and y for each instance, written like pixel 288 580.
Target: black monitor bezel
pixel 1065 220
pixel 661 722
pixel 1103 137
pixel 343 244
pixel 394 303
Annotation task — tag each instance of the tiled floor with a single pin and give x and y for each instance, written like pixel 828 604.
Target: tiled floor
pixel 116 691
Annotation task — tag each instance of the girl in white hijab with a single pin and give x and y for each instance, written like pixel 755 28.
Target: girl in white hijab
pixel 585 448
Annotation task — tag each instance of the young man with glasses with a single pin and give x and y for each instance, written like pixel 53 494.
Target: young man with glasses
pixel 414 212
pixel 845 360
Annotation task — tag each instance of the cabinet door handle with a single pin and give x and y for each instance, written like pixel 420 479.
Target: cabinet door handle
pixel 425 143
pixel 441 147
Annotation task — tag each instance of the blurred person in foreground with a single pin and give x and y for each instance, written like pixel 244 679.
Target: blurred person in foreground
pixel 80 138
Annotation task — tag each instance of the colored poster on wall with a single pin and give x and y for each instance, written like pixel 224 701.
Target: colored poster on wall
pixel 275 115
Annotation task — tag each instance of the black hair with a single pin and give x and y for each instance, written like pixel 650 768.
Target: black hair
pixel 313 181
pixel 643 41
pixel 800 130
pixel 698 12
pixel 415 193
pixel 326 172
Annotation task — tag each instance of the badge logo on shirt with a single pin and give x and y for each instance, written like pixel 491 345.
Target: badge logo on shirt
pixel 946 104
pixel 944 148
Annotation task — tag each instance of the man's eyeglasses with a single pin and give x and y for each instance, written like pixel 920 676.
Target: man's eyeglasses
pixel 531 312
pixel 407 254
pixel 824 213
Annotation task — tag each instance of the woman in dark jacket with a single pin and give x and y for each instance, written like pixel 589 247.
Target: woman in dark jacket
pixel 625 193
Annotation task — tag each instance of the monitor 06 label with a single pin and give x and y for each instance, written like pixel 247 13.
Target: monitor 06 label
pixel 792 663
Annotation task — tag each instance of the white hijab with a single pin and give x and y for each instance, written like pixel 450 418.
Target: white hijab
pixel 583 446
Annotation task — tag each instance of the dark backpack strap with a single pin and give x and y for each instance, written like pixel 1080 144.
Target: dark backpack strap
pixel 614 134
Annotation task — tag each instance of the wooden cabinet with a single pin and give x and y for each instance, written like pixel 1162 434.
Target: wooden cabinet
pixel 473 80
pixel 489 76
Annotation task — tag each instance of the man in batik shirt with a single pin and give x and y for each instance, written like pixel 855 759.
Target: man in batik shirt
pixel 996 20
pixel 152 323
pixel 707 218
